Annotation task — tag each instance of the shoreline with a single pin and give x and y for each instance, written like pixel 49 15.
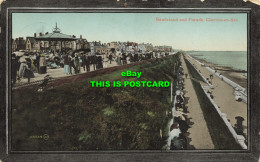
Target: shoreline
pixel 232 74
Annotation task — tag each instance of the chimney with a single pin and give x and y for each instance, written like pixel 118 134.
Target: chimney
pixel 80 36
pixel 34 35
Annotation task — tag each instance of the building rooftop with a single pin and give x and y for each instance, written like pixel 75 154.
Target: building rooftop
pixel 56 35
pixel 32 39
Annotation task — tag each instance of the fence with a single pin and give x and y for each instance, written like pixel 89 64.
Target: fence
pixel 239 138
pixel 168 146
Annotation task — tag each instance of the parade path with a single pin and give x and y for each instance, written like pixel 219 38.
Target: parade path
pixel 59 73
pixel 225 98
pixel 199 133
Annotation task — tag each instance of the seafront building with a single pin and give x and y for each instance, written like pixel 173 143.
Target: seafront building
pixel 163 48
pixel 56 41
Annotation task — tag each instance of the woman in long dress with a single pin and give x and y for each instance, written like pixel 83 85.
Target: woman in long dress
pixel 28 73
pixel 66 65
pixel 119 59
pixel 105 61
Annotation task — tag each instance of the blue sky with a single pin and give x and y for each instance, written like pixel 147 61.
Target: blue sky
pixel 142 27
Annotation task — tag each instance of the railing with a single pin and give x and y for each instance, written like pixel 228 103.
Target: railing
pixel 168 146
pixel 239 138
pixel 231 83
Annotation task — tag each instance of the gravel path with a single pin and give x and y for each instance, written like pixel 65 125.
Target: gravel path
pixel 58 73
pixel 199 133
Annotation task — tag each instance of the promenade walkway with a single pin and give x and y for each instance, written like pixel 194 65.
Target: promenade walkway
pixel 59 72
pixel 225 99
pixel 199 133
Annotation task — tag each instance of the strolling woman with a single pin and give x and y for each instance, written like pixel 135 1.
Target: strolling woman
pixel 28 73
pixel 66 65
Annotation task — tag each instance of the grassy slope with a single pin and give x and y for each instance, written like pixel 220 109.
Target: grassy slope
pixel 79 117
pixel 221 136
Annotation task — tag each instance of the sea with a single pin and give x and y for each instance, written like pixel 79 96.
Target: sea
pixel 236 60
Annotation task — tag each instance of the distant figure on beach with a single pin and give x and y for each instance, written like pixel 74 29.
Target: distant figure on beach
pixel 211 76
pixel 186 75
pixel 239 125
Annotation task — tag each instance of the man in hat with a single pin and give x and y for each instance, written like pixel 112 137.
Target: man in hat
pixel 83 63
pixel 42 64
pixel 87 63
pixel 124 59
pixel 94 61
pixel 110 57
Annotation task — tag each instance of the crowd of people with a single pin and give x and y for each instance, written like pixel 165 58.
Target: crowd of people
pixel 180 125
pixel 25 64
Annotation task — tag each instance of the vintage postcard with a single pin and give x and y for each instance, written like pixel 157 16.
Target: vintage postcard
pixel 107 80
pixel 103 81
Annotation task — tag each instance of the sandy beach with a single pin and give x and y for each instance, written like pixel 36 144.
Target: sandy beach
pixel 234 75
